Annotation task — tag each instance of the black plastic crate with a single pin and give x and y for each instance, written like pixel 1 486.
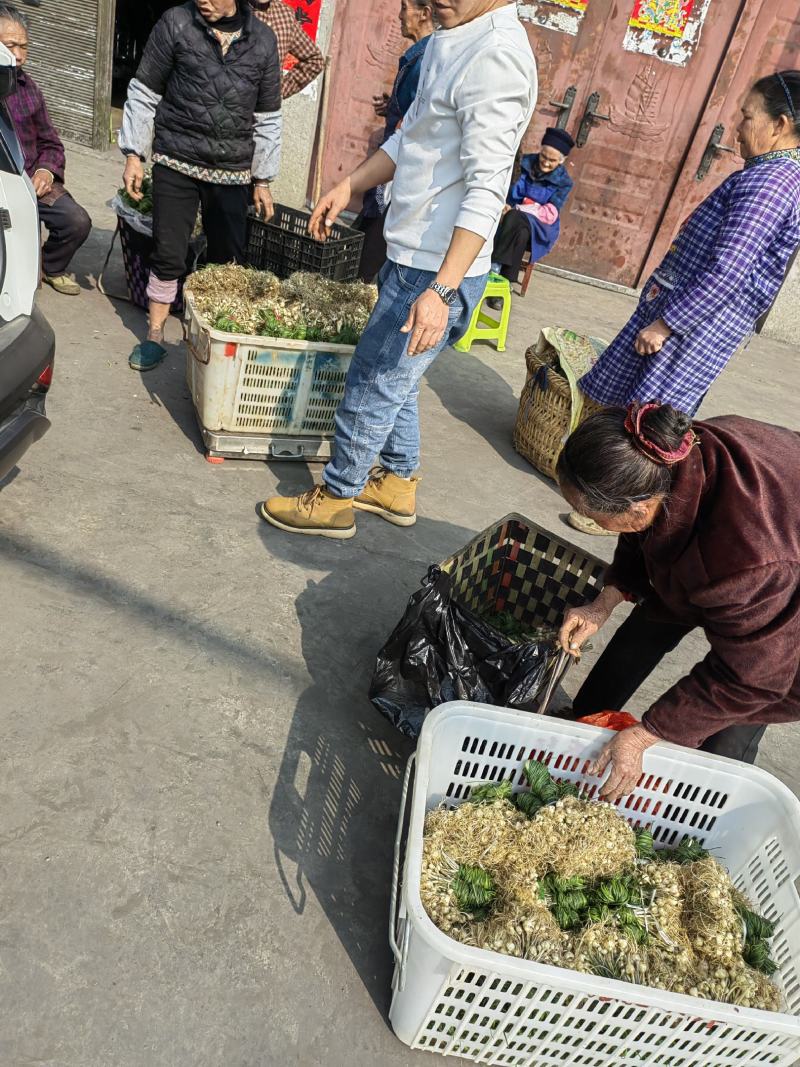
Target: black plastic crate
pixel 284 245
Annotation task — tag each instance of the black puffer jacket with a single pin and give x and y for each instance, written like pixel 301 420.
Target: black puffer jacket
pixel 208 101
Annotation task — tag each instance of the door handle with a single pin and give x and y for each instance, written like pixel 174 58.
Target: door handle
pixel 565 106
pixel 712 148
pixel 591 117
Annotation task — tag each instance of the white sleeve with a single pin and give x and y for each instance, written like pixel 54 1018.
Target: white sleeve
pixel 494 103
pixel 392 146
pixel 138 118
pixel 267 151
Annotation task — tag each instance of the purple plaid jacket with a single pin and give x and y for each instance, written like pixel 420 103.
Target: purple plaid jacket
pixel 40 143
pixel 721 274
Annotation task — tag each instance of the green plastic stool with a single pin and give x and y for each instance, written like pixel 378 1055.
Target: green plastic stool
pixel 483 327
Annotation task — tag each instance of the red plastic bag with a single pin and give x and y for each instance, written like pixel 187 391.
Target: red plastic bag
pixel 611 720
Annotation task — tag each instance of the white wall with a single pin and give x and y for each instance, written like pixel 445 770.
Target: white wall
pixel 300 116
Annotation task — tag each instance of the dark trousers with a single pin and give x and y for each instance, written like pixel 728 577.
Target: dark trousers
pixel 67 226
pixel 632 654
pixel 176 198
pixel 373 250
pixel 511 242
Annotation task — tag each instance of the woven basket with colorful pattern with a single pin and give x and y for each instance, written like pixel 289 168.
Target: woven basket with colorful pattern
pixel 519 567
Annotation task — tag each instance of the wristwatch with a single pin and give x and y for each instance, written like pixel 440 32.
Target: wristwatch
pixel 444 292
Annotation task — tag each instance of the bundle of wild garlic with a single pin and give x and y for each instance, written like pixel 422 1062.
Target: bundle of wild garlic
pixel 304 307
pixel 548 875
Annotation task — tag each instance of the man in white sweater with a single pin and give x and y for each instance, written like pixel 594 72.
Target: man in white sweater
pixel 450 164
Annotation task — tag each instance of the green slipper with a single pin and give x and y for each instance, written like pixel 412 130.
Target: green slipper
pixel 146 355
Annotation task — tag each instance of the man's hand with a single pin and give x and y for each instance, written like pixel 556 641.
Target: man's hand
pixel 262 199
pixel 426 322
pixel 582 623
pixel 133 176
pixel 506 209
pixel 381 104
pixel 651 339
pixel 624 754
pixel 328 210
pixel 42 182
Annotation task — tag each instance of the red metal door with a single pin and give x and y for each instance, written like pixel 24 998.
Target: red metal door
pixel 650 93
pixel 636 175
pixel 365 46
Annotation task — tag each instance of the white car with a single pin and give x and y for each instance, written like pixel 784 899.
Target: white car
pixel 27 345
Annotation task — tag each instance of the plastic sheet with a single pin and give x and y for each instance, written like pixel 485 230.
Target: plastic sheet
pixel 139 222
pixel 611 720
pixel 440 651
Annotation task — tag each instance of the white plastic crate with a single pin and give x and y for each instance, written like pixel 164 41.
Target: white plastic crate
pixel 457 1000
pixel 262 387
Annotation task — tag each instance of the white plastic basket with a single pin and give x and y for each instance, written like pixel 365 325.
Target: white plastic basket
pixel 457 1000
pixel 262 387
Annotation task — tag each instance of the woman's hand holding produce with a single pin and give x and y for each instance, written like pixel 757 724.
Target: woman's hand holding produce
pixel 582 623
pixel 262 201
pixel 651 339
pixel 624 754
pixel 133 176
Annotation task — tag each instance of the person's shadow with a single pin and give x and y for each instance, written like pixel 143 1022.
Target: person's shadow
pixel 333 813
pixel 477 395
pixel 165 384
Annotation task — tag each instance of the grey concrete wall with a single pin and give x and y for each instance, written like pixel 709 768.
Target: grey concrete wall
pixel 783 323
pixel 300 115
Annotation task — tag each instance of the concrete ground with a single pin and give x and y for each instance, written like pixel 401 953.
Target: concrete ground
pixel 197 801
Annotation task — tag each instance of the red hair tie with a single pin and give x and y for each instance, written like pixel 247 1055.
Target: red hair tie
pixel 633 424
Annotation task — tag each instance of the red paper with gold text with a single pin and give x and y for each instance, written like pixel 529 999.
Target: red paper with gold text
pixel 307 15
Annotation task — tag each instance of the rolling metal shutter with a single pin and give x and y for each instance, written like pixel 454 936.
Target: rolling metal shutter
pixel 69 57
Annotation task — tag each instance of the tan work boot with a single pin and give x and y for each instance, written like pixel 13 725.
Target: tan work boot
pixel 391 497
pixel 315 512
pixel 63 283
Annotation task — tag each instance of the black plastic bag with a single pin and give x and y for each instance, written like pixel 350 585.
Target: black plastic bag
pixel 440 651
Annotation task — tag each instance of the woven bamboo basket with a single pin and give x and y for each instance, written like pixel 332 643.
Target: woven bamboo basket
pixel 551 406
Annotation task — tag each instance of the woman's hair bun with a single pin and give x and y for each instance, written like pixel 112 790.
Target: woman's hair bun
pixel 666 426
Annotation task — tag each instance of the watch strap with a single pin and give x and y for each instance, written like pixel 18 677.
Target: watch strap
pixel 444 292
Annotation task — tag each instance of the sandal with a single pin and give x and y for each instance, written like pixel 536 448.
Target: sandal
pixel 146 355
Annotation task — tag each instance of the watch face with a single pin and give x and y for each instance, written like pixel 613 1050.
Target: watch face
pixel 448 295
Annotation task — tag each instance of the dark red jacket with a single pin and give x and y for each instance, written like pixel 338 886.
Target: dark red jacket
pixel 724 554
pixel 38 138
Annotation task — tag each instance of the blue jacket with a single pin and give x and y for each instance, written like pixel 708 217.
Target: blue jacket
pixel 405 85
pixel 403 92
pixel 552 188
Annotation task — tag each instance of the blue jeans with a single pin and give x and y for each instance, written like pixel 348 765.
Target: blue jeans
pixel 378 415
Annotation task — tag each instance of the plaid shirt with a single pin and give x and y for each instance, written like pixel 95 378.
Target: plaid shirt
pixel 40 143
pixel 292 41
pixel 721 274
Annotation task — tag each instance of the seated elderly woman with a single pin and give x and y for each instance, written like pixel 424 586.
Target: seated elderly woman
pixel 530 221
pixel 709 523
